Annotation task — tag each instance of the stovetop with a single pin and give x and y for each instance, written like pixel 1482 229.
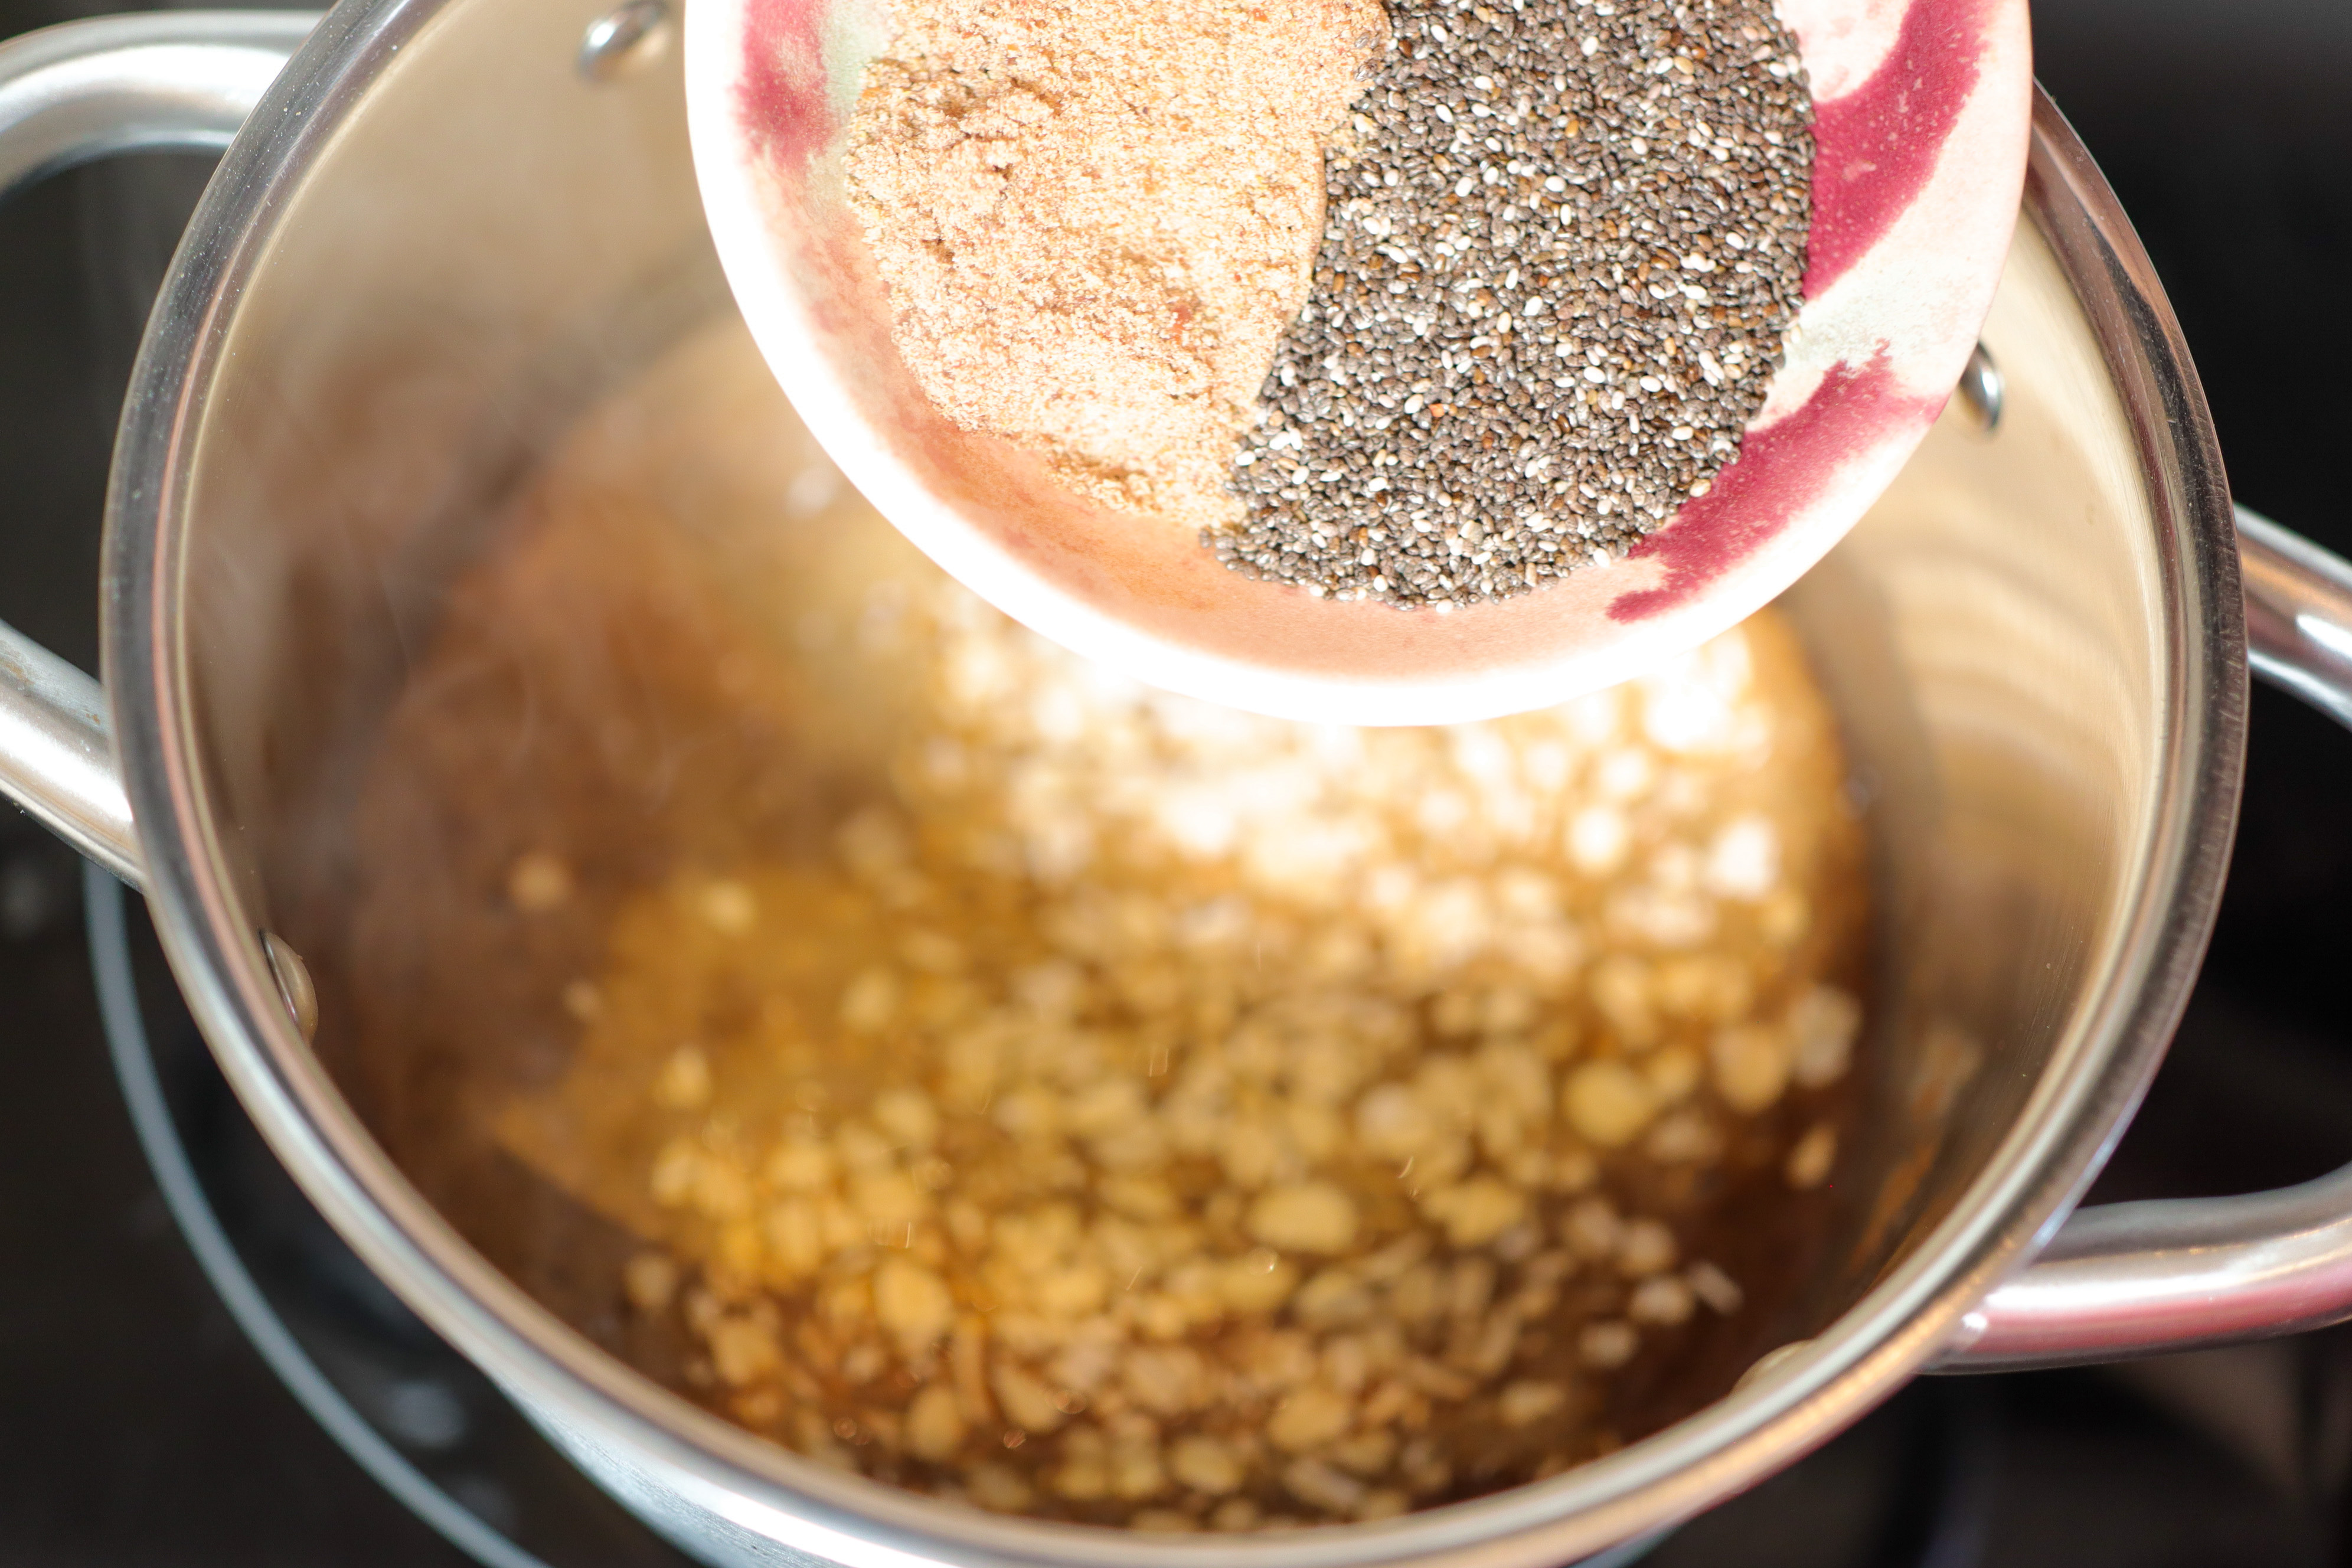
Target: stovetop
pixel 139 1425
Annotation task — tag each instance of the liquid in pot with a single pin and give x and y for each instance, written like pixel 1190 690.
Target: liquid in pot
pixel 970 1069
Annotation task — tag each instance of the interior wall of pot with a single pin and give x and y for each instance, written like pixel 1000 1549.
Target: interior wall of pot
pixel 490 244
pixel 494 241
pixel 1993 638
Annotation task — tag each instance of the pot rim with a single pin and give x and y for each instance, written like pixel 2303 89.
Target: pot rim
pixel 2076 1112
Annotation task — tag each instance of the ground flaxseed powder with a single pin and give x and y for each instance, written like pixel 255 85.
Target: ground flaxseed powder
pixel 1094 217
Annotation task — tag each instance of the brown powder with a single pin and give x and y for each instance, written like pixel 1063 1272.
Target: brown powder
pixel 996 158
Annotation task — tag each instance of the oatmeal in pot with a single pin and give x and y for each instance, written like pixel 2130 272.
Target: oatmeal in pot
pixel 1070 1099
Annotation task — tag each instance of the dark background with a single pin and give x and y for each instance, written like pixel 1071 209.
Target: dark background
pixel 138 1427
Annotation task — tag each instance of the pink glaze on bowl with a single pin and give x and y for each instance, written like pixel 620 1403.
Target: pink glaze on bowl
pixel 1922 112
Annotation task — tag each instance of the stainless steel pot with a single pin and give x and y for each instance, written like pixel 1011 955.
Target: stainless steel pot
pixel 447 222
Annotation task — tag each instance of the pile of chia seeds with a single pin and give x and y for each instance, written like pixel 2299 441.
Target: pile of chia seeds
pixel 1556 268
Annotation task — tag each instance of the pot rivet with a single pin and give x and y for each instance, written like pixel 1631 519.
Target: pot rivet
pixel 294 987
pixel 623 42
pixel 1770 1360
pixel 1981 389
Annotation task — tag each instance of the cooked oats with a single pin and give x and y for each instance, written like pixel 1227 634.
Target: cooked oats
pixel 965 1067
pixel 1149 1109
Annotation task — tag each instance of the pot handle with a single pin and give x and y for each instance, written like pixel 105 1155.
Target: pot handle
pixel 69 94
pixel 2126 1279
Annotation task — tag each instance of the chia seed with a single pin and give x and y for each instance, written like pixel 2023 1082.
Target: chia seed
pixel 1556 268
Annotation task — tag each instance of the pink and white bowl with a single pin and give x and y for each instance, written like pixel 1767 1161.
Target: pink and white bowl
pixel 1922 110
